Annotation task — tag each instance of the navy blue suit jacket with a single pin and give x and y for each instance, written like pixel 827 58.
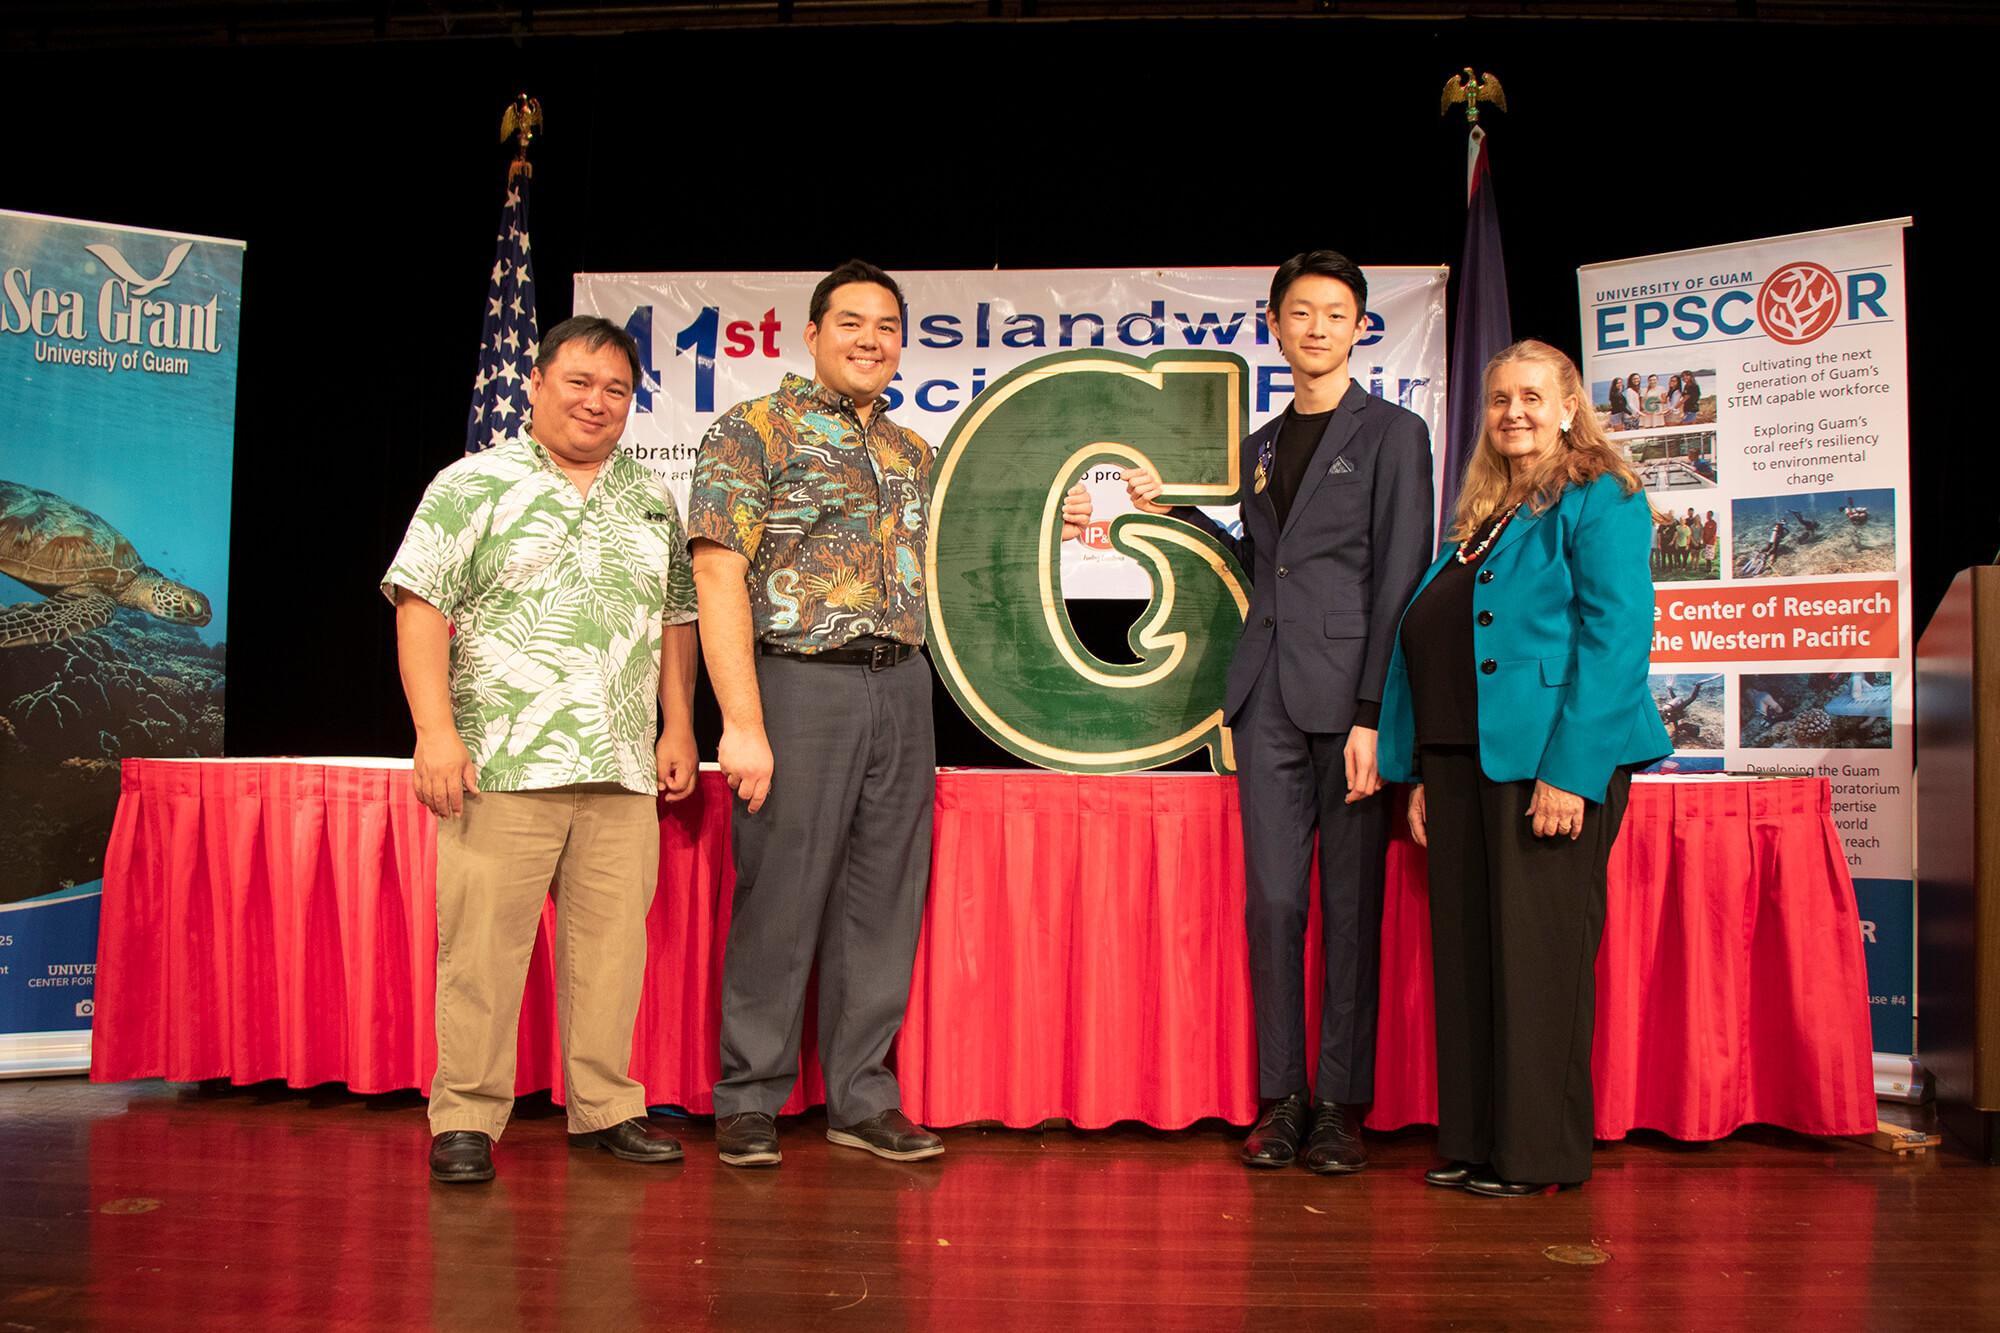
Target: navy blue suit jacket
pixel 1328 590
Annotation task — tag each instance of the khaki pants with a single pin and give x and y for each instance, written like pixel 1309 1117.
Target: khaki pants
pixel 601 844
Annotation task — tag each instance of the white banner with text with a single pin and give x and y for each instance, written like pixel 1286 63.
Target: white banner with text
pixel 711 340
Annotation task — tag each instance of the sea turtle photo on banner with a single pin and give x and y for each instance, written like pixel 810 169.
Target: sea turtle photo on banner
pixel 117 434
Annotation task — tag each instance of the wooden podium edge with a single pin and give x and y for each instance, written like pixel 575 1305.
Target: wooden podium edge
pixel 1897 1139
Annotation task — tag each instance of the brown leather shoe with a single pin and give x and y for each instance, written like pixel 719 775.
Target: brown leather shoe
pixel 1275 1139
pixel 461 1157
pixel 888 1134
pixel 1333 1148
pixel 748 1138
pixel 634 1140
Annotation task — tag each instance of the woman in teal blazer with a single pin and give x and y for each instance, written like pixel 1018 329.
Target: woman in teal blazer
pixel 1517 701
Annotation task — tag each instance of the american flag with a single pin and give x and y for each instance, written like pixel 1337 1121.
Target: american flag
pixel 507 338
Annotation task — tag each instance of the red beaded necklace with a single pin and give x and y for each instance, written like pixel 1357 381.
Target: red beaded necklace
pixel 1465 558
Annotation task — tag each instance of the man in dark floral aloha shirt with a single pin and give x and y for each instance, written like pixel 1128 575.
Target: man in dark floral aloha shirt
pixel 808 513
pixel 808 516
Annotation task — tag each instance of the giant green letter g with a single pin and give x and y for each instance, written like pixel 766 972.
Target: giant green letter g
pixel 998 630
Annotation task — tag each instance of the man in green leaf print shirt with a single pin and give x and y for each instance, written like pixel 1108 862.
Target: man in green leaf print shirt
pixel 808 515
pixel 544 602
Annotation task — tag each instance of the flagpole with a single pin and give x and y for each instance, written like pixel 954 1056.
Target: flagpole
pixel 1483 325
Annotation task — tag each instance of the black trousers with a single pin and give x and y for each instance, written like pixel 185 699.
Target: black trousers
pixel 1515 924
pixel 1289 784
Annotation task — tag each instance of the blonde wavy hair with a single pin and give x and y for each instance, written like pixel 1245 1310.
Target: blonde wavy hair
pixel 1581 454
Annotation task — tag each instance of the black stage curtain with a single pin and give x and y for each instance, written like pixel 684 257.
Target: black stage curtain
pixel 367 180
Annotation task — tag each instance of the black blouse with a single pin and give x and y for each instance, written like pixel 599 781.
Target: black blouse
pixel 1438 652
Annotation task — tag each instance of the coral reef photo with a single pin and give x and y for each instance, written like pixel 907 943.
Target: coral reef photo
pixel 1818 710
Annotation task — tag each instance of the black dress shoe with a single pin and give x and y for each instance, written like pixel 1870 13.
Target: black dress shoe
pixel 748 1138
pixel 1274 1140
pixel 1333 1148
pixel 461 1157
pixel 1455 1175
pixel 634 1140
pixel 889 1134
pixel 1484 1181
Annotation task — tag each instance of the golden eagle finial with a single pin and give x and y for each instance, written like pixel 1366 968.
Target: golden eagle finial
pixel 521 119
pixel 1472 90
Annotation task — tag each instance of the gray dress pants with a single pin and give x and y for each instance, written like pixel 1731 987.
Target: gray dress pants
pixel 834 868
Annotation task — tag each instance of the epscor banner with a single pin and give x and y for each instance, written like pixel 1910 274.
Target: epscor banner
pixel 715 339
pixel 1760 391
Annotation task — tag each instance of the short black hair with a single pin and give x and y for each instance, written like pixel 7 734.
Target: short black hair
pixel 595 331
pixel 1327 264
pixel 854 270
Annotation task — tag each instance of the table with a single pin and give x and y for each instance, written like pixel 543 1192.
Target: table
pixel 1082 954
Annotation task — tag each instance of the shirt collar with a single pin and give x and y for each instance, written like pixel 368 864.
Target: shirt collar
pixel 535 450
pixel 811 393
pixel 609 472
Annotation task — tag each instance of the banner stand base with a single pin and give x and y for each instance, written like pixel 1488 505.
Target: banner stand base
pixel 1899 1078
pixel 33 1054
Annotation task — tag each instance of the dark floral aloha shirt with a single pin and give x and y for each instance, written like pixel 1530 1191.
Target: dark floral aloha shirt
pixel 832 515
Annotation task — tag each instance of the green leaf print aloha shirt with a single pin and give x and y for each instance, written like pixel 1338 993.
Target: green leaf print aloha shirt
pixel 557 602
pixel 831 514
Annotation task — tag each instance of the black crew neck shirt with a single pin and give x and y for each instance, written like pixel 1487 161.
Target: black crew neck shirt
pixel 1298 437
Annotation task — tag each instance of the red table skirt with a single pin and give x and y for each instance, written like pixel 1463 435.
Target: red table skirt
pixel 1082 953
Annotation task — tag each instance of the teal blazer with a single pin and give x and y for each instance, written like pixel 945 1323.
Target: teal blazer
pixel 1562 638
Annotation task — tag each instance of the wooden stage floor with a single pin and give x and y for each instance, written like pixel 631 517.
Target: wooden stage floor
pixel 157 1206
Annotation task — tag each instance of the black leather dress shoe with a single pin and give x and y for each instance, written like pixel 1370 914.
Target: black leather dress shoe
pixel 634 1140
pixel 889 1134
pixel 461 1157
pixel 1274 1140
pixel 1454 1175
pixel 1484 1181
pixel 748 1138
pixel 1332 1147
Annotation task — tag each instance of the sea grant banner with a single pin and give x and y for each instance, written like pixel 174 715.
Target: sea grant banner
pixel 117 433
pixel 715 339
pixel 1761 392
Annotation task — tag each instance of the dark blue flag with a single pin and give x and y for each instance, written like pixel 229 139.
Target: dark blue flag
pixel 507 338
pixel 1484 327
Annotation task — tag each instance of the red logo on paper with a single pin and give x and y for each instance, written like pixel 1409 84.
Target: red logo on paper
pixel 1798 302
pixel 1097 536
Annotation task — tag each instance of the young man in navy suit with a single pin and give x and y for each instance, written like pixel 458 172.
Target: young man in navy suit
pixel 1337 530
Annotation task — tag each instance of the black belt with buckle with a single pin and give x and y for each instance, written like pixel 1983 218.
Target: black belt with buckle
pixel 876 655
